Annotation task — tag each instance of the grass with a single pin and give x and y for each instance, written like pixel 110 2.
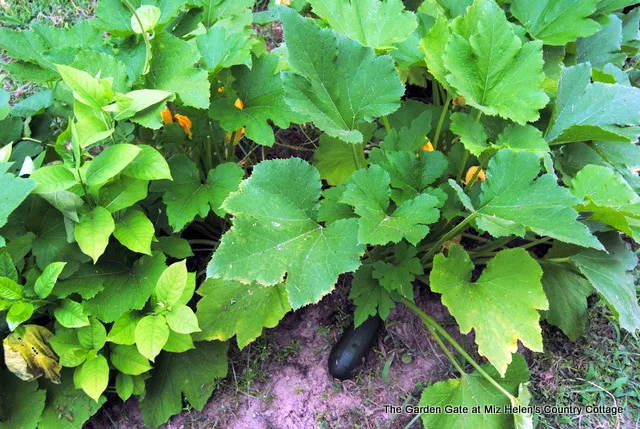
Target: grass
pixel 24 13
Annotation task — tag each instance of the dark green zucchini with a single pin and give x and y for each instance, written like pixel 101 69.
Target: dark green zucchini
pixel 349 353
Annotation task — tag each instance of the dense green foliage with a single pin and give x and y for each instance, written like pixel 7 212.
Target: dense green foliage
pixel 486 149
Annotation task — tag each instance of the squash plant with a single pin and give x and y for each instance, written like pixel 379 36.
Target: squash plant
pixel 485 149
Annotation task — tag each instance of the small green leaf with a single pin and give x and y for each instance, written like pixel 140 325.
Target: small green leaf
pixel 110 162
pixel 18 313
pixel 86 89
pixel 123 330
pixel 173 246
pixel 178 343
pixel 123 193
pixel 93 232
pixel 172 283
pixel 151 335
pixel 183 320
pixel 47 280
pixel 124 386
pixel 128 360
pixel 71 314
pixel 9 289
pixel 131 103
pixel 369 297
pixel 135 231
pixel 149 164
pixel 94 336
pixel 93 376
pixel 52 178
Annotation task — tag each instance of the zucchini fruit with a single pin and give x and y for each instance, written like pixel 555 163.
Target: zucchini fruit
pixel 348 354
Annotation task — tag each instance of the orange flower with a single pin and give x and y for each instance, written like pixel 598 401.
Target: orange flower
pixel 427 146
pixel 220 90
pixel 185 123
pixel 237 137
pixel 166 116
pixel 239 104
pixel 472 172
pixel 458 101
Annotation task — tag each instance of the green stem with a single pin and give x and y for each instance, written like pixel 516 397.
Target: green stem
pixel 448 236
pixel 145 36
pixel 489 247
pixel 476 237
pixel 387 125
pixel 443 114
pixel 558 260
pixel 430 322
pixel 445 350
pixel 356 158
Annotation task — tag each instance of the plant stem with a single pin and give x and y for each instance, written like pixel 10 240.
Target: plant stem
pixel 387 125
pixel 448 236
pixel 356 157
pixel 443 114
pixel 145 36
pixel 430 322
pixel 476 237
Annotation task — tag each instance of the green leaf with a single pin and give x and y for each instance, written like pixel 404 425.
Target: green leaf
pixel 52 178
pixel 611 277
pixel 369 297
pixel 47 280
pixel 399 275
pixel 33 105
pixel 229 308
pixel 500 309
pixel 377 24
pixel 151 334
pixel 18 313
pixel 110 162
pixel 368 191
pixel 223 48
pixel 187 197
pixel 182 320
pixel 260 89
pixel 609 199
pixel 128 360
pixel 339 83
pixel 473 390
pixel 275 233
pixel 135 231
pixel 148 16
pixel 191 374
pixel 412 136
pixel 603 47
pixel 124 386
pixel 7 268
pixel 122 193
pixel 22 403
pixel 173 69
pixel 128 289
pixel 331 209
pixel 556 22
pixel 94 336
pixel 515 200
pixel 93 376
pixel 567 293
pixel 101 64
pixel 471 132
pixel 93 232
pixel 86 89
pixel 433 45
pixel 593 111
pixel 505 84
pixel 149 164
pixel 123 330
pixel 131 103
pixel 17 189
pixel 173 246
pixel 71 314
pixel 66 345
pixel 522 138
pixel 216 10
pixel 178 343
pixel 9 289
pixel 172 283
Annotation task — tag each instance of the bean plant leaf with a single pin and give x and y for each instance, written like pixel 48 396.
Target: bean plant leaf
pixel 187 197
pixel 135 231
pixel 191 374
pixel 505 84
pixel 149 164
pixel 473 390
pixel 47 280
pixel 128 360
pixel 567 293
pixel 122 193
pixel 110 162
pixel 368 191
pixel 593 111
pixel 609 199
pixel 275 233
pixel 93 232
pixel 173 69
pixel 515 200
pixel 493 305
pixel 151 334
pixel 556 22
pixel 377 24
pixel 262 94
pixel 93 376
pixel 610 275
pixel 338 82
pixel 231 308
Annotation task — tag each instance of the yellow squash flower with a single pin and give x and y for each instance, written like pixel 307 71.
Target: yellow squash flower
pixel 427 146
pixel 472 172
pixel 239 104
pixel 166 116
pixel 185 123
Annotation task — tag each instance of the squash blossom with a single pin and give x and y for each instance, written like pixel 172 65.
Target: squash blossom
pixel 185 123
pixel 28 355
pixel 427 146
pixel 166 116
pixel 472 172
pixel 459 101
pixel 239 104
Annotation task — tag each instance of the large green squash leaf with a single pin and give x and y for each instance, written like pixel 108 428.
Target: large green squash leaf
pixel 603 47
pixel 473 390
pixel 490 66
pixel 593 111
pixel 556 22
pixel 373 23
pixel 222 48
pixel 16 189
pixel 260 89
pixel 231 308
pixel 514 200
pixel 275 233
pixel 21 403
pixel 501 306
pixel 338 82
pixel 191 374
